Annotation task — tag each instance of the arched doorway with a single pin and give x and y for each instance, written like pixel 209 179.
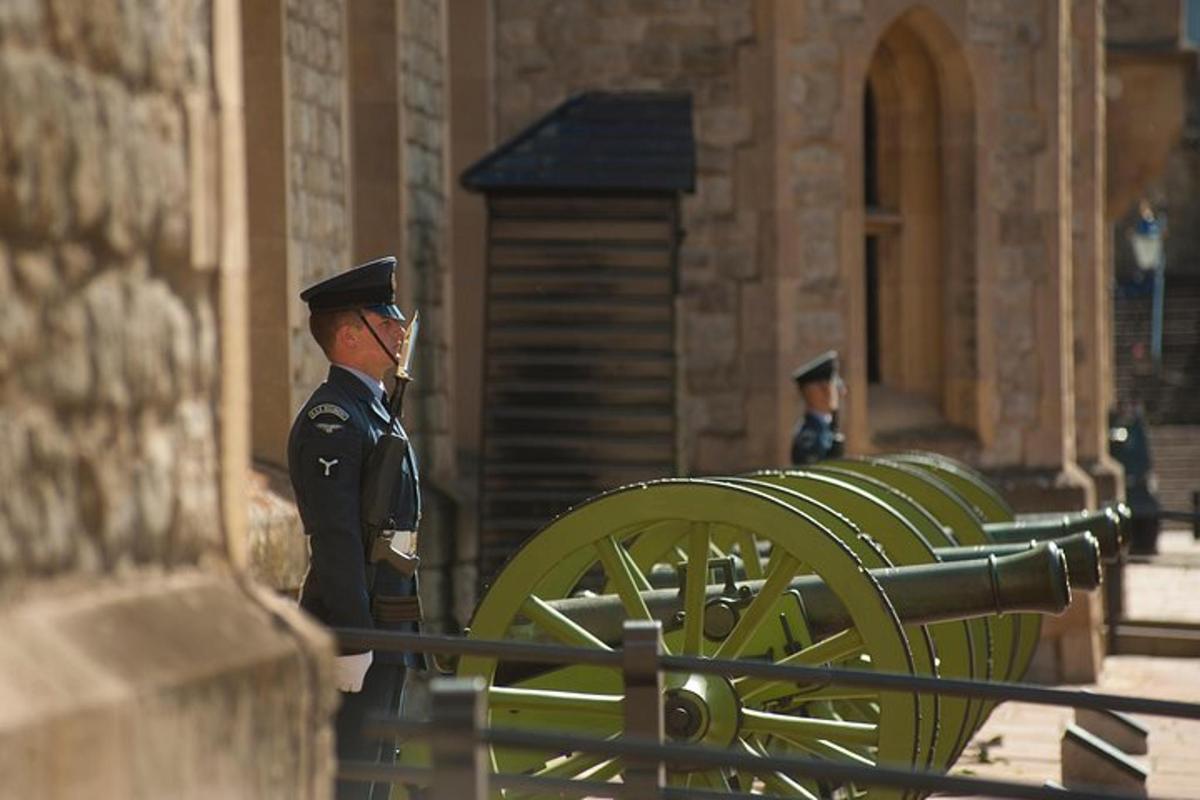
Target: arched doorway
pixel 919 251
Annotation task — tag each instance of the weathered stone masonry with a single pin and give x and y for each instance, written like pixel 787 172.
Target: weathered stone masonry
pixel 124 626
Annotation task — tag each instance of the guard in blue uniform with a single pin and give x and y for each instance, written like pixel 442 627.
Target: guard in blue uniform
pixel 816 436
pixel 355 321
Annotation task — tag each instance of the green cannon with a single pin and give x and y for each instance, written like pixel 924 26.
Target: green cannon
pixel 908 564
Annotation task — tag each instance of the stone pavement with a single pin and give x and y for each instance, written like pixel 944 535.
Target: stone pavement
pixel 1021 742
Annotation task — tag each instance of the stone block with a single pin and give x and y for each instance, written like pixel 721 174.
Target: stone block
pixel 815 53
pixel 1120 730
pixel 278 548
pixel 707 59
pixel 177 685
pixel 710 341
pixel 21 20
pixel 654 59
pixel 724 127
pixel 1089 762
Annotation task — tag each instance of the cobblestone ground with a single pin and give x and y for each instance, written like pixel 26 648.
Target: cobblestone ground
pixel 1021 742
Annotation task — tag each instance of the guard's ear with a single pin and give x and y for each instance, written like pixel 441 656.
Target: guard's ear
pixel 349 333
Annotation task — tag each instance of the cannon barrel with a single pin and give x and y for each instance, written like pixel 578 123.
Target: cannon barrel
pixel 1033 580
pixel 1107 525
pixel 1082 551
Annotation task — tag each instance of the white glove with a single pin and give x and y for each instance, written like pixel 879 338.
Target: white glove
pixel 350 671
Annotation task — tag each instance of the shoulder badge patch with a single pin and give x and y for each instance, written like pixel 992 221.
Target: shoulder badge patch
pixel 328 408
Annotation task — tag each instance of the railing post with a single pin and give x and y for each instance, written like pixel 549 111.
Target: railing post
pixel 1196 515
pixel 644 778
pixel 1114 599
pixel 460 762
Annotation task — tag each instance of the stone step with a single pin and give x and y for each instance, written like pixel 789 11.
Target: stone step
pixel 1089 762
pixel 1120 730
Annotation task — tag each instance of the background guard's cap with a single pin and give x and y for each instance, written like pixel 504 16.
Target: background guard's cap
pixel 367 286
pixel 822 368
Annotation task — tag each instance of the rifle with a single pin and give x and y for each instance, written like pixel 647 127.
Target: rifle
pixel 384 469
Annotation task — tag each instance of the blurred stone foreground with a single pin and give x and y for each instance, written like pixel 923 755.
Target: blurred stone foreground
pixel 172 172
pixel 136 659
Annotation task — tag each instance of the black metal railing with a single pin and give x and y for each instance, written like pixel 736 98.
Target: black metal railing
pixel 459 736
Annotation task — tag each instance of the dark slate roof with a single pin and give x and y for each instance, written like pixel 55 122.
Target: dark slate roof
pixel 614 141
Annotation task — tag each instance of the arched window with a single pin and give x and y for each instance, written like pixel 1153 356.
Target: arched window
pixel 919 251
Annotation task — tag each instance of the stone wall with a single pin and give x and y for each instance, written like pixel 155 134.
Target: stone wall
pixel 125 628
pixel 548 50
pixel 1013 60
pixel 318 202
pixel 109 366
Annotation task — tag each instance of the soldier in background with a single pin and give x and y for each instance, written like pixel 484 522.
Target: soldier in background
pixel 355 321
pixel 816 435
pixel 1129 444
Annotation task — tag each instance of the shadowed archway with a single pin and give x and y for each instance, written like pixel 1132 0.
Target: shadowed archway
pixel 919 233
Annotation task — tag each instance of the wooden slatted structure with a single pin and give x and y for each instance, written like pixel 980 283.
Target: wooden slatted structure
pixel 579 337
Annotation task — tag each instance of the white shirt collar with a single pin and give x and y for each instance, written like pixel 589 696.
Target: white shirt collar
pixel 373 383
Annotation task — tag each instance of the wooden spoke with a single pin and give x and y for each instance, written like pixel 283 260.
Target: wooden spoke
pixel 748 546
pixel 833 648
pixel 508 698
pixel 606 771
pixel 776 782
pixel 695 584
pixel 616 567
pixel 558 625
pixel 822 748
pixel 783 725
pixel 754 614
pixel 573 766
pixel 639 578
pixel 801 694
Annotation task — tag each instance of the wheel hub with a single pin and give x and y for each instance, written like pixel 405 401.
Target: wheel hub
pixel 700 709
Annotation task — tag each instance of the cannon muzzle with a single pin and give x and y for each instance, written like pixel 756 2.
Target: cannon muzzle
pixel 1107 525
pixel 1082 551
pixel 1032 580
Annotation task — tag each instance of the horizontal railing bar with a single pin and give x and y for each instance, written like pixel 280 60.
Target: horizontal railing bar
pixel 396 773
pixel 562 654
pixel 996 690
pixel 828 770
pixel 382 773
pixel 358 638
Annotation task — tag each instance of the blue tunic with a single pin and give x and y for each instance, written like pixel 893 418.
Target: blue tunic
pixel 328 449
pixel 815 439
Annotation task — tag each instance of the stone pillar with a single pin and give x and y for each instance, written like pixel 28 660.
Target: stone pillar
pixel 1093 334
pixel 123 250
pixel 271 326
pixel 1027 293
pixel 425 284
pixel 471 124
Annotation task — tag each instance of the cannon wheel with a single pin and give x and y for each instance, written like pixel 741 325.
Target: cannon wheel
pixel 967 482
pixel 667 546
pixel 593 540
pixel 904 532
pixel 835 517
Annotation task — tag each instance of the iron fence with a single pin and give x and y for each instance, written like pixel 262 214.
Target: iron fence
pixel 459 735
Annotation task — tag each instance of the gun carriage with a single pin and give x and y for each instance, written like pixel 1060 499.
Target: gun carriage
pixel 908 564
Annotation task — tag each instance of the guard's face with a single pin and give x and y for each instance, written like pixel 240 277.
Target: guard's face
pixel 390 331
